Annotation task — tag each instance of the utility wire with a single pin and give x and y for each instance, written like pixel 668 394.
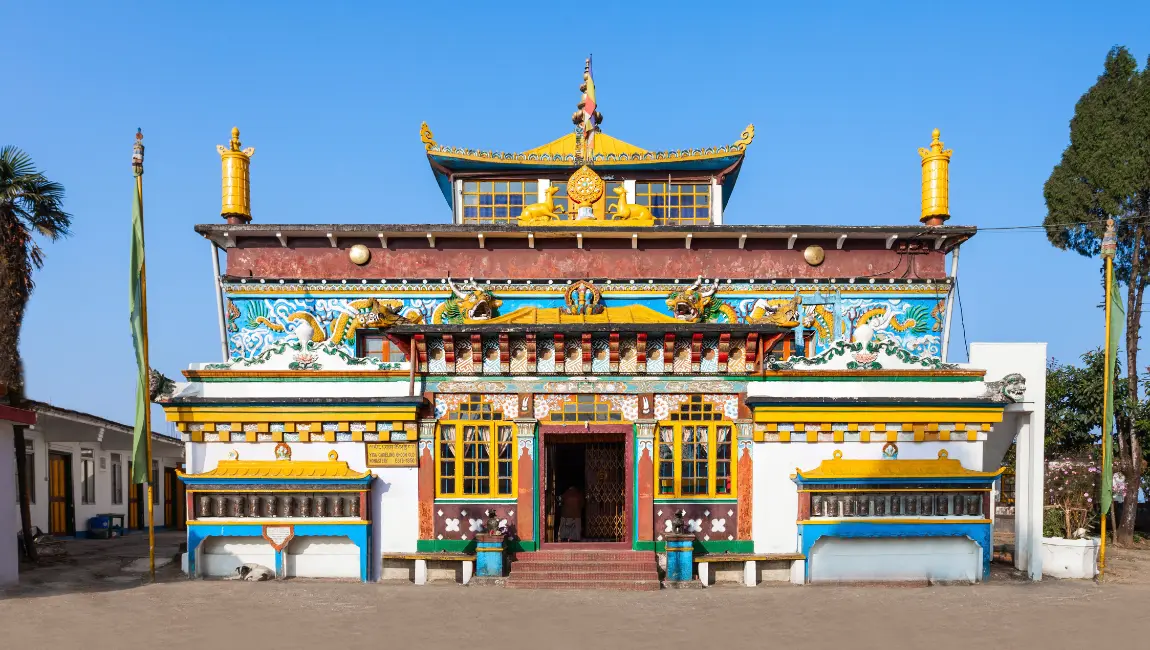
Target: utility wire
pixel 961 319
pixel 1058 226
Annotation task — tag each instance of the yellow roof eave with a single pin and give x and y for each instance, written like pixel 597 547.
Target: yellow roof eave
pixel 280 469
pixel 943 467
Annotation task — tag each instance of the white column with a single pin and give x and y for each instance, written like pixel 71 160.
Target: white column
pixel 705 573
pixel 544 183
pixel 716 202
pixel 1031 463
pixel 421 572
pixel 630 187
pixel 468 569
pixel 458 202
pixel 749 577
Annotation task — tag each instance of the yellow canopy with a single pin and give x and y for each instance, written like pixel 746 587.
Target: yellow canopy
pixel 281 469
pixel 943 467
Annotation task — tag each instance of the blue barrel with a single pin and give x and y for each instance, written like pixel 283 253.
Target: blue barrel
pixel 99 527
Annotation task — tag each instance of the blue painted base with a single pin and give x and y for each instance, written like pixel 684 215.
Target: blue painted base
pixel 489 558
pixel 680 559
pixel 359 534
pixel 980 533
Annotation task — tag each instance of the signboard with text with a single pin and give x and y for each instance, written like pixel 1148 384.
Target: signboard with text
pixel 391 454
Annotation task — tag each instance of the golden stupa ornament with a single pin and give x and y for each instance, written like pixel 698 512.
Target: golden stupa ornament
pixel 236 181
pixel 935 182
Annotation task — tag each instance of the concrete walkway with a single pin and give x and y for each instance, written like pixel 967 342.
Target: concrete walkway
pixel 100 565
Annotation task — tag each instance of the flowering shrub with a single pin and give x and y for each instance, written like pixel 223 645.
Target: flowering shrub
pixel 1071 488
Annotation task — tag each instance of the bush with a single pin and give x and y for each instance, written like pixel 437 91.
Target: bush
pixel 1070 489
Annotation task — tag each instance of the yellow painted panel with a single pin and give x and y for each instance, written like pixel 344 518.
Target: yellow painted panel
pixel 864 436
pixel 357 436
pixel 853 426
pixel 909 414
pixel 944 436
pixel 812 436
pixel 759 435
pixel 838 436
pixel 772 426
pixel 784 436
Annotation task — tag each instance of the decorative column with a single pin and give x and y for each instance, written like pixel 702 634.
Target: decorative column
pixel 745 437
pixel 426 478
pixel 525 429
pixel 935 182
pixel 645 480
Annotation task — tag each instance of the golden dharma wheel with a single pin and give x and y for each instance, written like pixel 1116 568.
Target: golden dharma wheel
pixel 814 255
pixel 585 186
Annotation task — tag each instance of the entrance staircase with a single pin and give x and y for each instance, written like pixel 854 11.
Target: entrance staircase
pixel 618 570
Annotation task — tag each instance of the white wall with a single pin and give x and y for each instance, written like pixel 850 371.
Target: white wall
pixel 948 559
pixel 776 495
pixel 9 512
pixel 103 502
pixel 394 495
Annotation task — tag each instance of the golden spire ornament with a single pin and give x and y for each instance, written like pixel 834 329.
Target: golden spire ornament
pixel 935 182
pixel 236 182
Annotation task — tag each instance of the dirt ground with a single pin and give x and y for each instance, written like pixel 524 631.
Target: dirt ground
pixel 175 613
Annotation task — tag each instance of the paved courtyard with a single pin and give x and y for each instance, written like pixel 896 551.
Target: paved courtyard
pixel 175 614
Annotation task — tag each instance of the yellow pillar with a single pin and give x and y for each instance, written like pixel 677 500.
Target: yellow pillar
pixel 237 194
pixel 935 182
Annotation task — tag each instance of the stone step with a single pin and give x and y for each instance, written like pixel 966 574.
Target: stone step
pixel 612 585
pixel 578 576
pixel 586 556
pixel 581 567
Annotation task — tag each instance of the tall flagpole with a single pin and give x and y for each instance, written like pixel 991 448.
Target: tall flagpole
pixel 1107 379
pixel 147 375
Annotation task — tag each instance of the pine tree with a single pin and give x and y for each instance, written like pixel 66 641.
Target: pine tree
pixel 1105 174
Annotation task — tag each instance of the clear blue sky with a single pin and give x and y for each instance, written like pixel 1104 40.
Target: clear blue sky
pixel 331 95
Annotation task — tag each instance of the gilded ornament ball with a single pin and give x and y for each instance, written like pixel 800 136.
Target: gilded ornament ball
pixel 359 254
pixel 814 255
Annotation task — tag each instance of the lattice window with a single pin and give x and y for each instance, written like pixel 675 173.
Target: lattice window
pixel 696 452
pixel 584 408
pixel 476 452
pixel 676 203
pixel 497 201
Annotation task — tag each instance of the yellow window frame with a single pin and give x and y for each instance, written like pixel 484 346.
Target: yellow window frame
pixel 459 445
pixel 713 461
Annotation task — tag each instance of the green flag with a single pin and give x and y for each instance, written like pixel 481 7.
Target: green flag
pixel 1117 327
pixel 138 315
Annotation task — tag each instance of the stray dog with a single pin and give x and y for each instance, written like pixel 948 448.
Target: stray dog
pixel 253 573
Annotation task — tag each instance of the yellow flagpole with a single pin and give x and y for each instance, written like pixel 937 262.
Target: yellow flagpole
pixel 148 406
pixel 1107 396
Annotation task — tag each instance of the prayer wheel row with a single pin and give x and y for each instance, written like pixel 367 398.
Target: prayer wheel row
pixel 940 504
pixel 278 505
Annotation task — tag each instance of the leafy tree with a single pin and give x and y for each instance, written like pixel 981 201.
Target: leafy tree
pixel 29 202
pixel 1105 174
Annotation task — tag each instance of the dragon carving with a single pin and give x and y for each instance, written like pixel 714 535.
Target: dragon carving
pixel 369 312
pixel 697 304
pixel 468 303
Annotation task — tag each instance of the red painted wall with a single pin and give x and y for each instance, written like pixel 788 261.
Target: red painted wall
pixel 511 259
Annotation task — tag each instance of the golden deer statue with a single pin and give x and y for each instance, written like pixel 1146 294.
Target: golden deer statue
pixel 537 214
pixel 632 213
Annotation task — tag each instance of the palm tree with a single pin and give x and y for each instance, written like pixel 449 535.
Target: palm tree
pixel 28 202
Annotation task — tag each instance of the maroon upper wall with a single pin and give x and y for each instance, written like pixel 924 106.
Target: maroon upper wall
pixel 412 257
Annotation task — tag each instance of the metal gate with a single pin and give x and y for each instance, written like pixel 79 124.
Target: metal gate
pixel 606 477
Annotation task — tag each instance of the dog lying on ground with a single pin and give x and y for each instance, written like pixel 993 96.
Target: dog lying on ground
pixel 254 573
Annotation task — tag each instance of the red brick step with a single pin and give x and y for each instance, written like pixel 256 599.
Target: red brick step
pixel 585 569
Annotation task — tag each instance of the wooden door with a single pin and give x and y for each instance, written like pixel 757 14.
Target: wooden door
pixel 170 514
pixel 60 514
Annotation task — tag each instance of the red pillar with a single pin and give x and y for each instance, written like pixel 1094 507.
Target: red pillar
pixel 525 503
pixel 645 480
pixel 427 481
pixel 746 490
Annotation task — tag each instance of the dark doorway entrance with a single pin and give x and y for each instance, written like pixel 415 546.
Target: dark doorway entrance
pixel 595 466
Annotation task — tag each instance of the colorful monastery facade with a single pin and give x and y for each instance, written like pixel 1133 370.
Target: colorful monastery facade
pixel 588 319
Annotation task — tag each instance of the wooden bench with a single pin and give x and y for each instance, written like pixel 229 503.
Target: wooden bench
pixel 750 564
pixel 421 559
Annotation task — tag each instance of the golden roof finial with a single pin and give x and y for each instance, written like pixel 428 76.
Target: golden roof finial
pixel 235 180
pixel 587 118
pixel 426 136
pixel 935 181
